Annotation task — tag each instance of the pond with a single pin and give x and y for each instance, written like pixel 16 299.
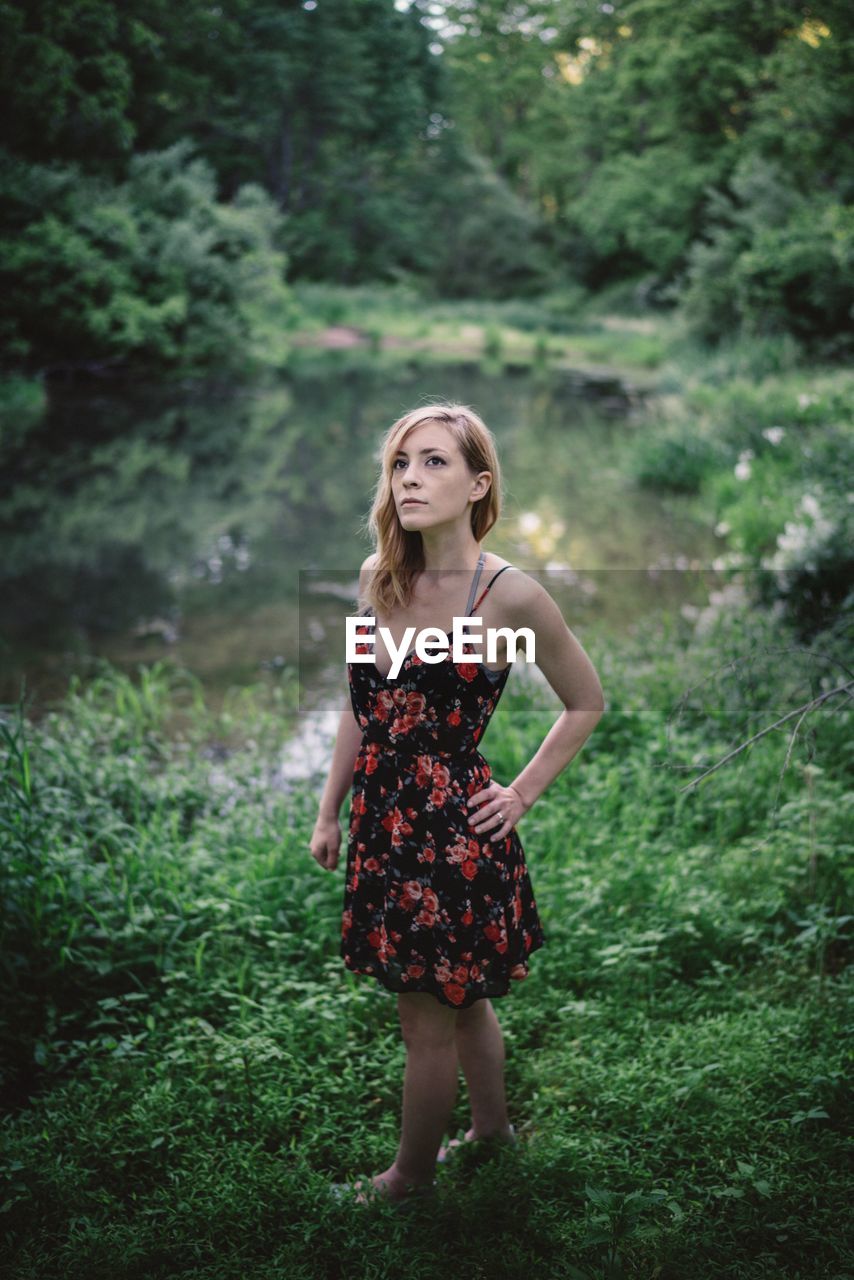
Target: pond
pixel 141 524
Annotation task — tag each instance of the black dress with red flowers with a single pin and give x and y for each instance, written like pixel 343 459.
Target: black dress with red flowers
pixel 430 905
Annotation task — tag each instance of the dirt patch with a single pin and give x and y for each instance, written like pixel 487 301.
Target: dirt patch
pixel 339 335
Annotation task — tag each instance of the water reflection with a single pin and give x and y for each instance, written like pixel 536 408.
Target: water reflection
pixel 139 524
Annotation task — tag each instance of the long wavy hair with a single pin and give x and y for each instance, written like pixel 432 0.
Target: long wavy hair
pixel 399 551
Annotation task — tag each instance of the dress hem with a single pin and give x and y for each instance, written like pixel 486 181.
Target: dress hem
pixel 436 988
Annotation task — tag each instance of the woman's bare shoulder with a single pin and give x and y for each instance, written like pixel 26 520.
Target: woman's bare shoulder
pixel 518 590
pixel 368 565
pixel 517 578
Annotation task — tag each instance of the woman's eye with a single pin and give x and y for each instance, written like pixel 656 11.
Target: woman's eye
pixel 433 458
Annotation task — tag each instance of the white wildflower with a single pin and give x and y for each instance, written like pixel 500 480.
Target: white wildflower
pixel 774 434
pixel 742 467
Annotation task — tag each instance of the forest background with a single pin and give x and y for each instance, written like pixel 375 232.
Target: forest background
pixel 196 196
pixel 168 171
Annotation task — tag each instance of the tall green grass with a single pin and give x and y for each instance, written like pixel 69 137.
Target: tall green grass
pixel 187 1064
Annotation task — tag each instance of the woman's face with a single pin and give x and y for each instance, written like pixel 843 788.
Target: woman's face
pixel 429 467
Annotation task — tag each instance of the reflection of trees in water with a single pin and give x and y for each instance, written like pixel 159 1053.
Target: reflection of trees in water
pixel 138 517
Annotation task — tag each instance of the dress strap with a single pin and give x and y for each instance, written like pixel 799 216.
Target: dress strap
pixel 489 584
pixel 481 561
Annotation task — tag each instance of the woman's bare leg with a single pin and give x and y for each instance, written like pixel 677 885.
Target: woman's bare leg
pixel 480 1050
pixel 429 1089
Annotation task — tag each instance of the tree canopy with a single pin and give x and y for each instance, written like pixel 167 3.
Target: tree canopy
pixel 482 148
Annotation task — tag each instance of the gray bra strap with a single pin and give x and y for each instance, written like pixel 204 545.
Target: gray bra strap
pixel 481 561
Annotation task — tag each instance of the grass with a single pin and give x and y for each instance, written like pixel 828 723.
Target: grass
pixel 187 1064
pixel 557 330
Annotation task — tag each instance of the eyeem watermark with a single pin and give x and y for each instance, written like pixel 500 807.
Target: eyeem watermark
pixel 431 639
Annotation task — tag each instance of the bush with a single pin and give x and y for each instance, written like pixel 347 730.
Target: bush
pixel 775 262
pixel 152 271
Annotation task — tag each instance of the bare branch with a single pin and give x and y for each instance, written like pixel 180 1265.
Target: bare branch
pixel 801 711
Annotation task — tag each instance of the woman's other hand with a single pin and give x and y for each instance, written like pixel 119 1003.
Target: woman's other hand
pixel 326 842
pixel 485 806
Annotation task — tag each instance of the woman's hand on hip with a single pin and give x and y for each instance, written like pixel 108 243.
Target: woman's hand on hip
pixel 495 810
pixel 326 842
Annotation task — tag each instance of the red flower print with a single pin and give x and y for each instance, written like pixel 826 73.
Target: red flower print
pixel 469 870
pixel 423 771
pixel 467 916
pixel 427 854
pixel 415 970
pixel 426 918
pixel 372 865
pixel 429 899
pixel 456 852
pixel 492 931
pixel 438 797
pixel 441 775
pixel 395 823
pixel 461 973
pixel 455 993
pixel 384 704
pixel 453 718
pixel 467 670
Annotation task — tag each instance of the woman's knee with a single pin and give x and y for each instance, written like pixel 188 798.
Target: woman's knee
pixel 475 1015
pixel 424 1021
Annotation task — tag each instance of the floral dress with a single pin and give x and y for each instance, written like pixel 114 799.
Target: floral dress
pixel 429 904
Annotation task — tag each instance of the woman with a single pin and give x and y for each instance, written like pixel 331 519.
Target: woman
pixel 438 904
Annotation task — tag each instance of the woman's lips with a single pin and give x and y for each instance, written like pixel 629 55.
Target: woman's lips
pixel 413 502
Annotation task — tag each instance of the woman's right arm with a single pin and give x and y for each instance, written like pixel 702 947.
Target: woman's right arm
pixel 326 837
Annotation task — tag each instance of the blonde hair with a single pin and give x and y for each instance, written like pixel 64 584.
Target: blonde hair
pixel 399 551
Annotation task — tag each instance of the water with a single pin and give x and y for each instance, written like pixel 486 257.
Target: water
pixel 143 523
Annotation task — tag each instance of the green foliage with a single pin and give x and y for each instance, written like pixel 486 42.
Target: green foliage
pixel 485 241
pixel 703 150
pixel 675 458
pixel 773 458
pixel 177 1021
pixel 774 262
pixel 152 271
pixel 23 402
pixel 705 145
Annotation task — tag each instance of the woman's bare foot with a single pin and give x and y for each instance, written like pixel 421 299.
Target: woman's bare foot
pixel 500 1135
pixel 389 1183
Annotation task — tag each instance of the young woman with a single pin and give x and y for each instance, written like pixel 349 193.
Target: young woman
pixel 438 903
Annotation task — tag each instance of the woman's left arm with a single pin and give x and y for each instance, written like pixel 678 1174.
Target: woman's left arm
pixel 573 677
